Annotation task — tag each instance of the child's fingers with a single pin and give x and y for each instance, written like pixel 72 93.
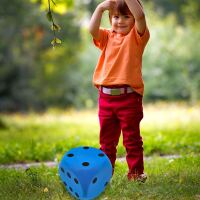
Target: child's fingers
pixel 112 4
pixel 108 4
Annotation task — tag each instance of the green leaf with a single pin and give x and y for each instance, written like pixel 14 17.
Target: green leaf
pixel 58 41
pixel 49 16
pixel 55 27
pixel 53 42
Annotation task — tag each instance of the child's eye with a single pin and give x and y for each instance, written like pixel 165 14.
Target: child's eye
pixel 126 16
pixel 115 16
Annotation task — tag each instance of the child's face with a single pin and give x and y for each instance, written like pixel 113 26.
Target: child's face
pixel 122 24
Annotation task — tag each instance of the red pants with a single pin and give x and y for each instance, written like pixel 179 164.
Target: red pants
pixel 122 113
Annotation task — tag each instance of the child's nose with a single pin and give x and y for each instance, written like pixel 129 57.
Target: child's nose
pixel 120 19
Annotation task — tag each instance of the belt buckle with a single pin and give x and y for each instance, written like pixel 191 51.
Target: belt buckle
pixel 115 91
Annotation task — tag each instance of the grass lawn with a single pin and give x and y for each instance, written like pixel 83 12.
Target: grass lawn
pixel 166 129
pixel 169 179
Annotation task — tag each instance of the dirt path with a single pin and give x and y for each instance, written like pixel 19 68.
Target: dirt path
pixel 54 164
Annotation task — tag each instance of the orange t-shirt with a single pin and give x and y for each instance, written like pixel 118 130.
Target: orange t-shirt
pixel 121 59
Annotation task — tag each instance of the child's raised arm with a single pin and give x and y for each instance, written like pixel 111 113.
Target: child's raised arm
pixel 136 9
pixel 97 15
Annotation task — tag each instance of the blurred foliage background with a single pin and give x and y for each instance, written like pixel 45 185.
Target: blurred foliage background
pixel 34 76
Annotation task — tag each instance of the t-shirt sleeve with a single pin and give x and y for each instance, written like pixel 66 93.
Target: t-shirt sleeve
pixel 142 39
pixel 102 41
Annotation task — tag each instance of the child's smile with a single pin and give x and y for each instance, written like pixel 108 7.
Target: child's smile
pixel 122 24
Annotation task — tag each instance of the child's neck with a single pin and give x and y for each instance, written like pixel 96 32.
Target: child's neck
pixel 118 35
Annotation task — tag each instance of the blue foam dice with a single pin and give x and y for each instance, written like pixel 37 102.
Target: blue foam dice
pixel 85 172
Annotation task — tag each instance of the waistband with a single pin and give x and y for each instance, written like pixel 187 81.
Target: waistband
pixel 116 91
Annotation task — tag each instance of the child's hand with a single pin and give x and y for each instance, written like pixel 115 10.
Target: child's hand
pixel 107 5
pixel 97 15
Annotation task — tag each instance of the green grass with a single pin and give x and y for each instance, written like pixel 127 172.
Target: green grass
pixel 166 129
pixel 168 179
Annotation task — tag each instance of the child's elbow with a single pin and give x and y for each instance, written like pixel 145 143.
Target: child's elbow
pixel 140 17
pixel 94 33
pixel 90 30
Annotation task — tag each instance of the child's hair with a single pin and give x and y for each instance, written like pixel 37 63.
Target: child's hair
pixel 122 7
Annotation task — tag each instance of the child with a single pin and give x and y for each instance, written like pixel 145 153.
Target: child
pixel 118 77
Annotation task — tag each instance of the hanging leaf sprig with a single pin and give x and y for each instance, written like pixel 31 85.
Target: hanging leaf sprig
pixel 54 27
